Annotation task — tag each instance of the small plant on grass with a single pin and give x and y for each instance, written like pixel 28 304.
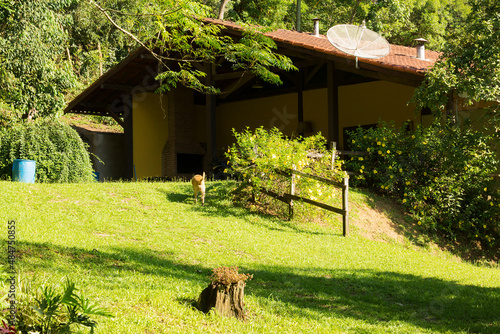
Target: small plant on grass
pixel 54 309
pixel 225 276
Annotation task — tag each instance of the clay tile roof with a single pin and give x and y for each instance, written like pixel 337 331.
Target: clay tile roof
pixel 401 58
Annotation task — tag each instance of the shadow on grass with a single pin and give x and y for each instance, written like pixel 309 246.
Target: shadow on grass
pixel 218 203
pixel 368 296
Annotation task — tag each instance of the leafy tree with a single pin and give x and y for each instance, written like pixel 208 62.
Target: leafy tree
pixel 470 64
pixel 185 40
pixel 34 75
pixel 403 21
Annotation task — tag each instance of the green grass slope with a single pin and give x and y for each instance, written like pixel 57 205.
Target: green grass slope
pixel 144 251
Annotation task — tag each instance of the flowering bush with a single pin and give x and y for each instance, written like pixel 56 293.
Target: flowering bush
pixel 259 158
pixel 440 174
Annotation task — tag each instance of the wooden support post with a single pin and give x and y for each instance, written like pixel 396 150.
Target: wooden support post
pixel 333 102
pixel 292 192
pixel 300 96
pixel 211 108
pixel 333 146
pixel 128 132
pixel 345 207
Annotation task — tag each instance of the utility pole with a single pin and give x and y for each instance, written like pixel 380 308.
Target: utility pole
pixel 298 15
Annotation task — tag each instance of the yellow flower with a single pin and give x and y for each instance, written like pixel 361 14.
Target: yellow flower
pixel 379 143
pixel 383 144
pixel 360 158
pixel 485 189
pixel 374 171
pixel 401 170
pixel 407 183
pixel 353 141
pixel 361 171
pixel 388 151
pixel 363 167
pixel 404 200
pixel 419 222
pixel 484 226
pixel 379 152
pixel 390 167
pixel 425 197
pixel 392 176
pixel 405 194
pixel 413 136
pixel 368 149
pixel 425 173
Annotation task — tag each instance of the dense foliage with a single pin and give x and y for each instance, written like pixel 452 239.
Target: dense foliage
pixel 262 160
pixel 470 65
pixel 399 21
pixel 440 174
pixel 59 152
pixel 34 72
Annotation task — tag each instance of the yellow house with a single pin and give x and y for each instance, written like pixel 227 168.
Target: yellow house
pixel 181 132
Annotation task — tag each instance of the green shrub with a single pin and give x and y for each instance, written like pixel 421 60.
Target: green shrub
pixel 440 174
pixel 59 152
pixel 258 158
pixel 46 308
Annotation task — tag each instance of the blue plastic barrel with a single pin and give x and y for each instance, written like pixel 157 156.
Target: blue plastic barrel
pixel 24 171
pixel 96 176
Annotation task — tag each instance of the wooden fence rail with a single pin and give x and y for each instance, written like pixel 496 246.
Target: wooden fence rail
pixel 291 197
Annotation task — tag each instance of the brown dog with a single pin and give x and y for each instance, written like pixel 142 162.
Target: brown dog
pixel 198 182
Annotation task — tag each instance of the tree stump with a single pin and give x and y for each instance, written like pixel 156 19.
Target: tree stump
pixel 226 299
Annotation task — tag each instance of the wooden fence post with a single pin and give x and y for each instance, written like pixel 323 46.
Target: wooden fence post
pixel 345 206
pixel 333 146
pixel 292 192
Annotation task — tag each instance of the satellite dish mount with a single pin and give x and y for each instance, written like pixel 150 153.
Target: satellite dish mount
pixel 358 41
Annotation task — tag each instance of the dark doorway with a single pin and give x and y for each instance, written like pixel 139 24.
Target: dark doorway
pixel 189 163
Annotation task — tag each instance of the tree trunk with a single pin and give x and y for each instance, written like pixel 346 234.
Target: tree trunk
pixel 227 301
pixel 222 8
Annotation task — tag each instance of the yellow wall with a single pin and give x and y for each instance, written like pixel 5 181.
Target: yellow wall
pixel 278 111
pixel 360 104
pixel 371 102
pixel 150 133
pixel 316 110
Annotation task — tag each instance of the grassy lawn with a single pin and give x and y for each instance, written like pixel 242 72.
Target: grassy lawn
pixel 144 251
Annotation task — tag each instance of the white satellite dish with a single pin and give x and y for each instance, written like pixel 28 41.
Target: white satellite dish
pixel 358 41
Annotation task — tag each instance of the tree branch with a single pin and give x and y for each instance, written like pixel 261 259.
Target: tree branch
pixel 129 34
